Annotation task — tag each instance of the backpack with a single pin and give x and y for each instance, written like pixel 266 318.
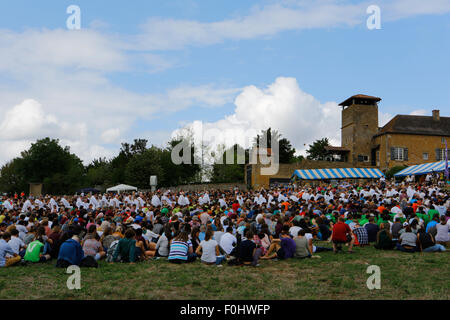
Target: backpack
pixel 111 250
pixel 89 262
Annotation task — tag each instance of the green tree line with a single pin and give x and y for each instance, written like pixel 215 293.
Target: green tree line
pixel 63 172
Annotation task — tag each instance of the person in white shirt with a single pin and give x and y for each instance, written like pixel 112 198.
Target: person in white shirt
pixel 227 241
pixel 293 231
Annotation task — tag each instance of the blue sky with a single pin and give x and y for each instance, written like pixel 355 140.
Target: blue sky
pixel 148 68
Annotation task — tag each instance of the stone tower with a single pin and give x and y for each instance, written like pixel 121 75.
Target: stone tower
pixel 359 125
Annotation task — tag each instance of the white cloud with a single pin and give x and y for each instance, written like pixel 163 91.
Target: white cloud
pixel 110 135
pixel 28 121
pixel 283 106
pixel 172 34
pixel 384 118
pixel 420 112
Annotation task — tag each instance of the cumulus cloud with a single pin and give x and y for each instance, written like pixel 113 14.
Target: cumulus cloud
pixel 28 121
pixel 283 106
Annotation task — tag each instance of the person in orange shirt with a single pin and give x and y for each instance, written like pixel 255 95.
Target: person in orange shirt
pixel 286 205
pixel 381 208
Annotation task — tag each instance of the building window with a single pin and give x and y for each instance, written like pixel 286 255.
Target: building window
pixel 362 158
pixel 399 154
pixel 425 156
pixel 440 154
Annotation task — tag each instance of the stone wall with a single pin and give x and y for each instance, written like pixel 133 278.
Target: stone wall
pixel 417 145
pixel 359 125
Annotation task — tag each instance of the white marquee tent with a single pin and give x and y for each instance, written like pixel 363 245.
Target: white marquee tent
pixel 121 187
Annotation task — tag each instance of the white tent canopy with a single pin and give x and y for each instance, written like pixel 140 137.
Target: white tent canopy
pixel 121 187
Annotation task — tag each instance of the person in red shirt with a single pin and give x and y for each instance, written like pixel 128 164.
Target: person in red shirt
pixel 342 234
pixel 235 206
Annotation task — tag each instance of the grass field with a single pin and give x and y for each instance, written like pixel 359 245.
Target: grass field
pixel 334 276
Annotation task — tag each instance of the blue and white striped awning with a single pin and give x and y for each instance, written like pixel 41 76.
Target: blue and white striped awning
pixel 422 169
pixel 338 173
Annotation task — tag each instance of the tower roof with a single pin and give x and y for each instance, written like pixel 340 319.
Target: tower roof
pixel 364 97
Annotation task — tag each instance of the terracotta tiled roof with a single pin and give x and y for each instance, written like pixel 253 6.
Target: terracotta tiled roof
pixel 359 96
pixel 423 125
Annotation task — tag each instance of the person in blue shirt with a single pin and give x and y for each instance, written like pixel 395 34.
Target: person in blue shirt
pixel 5 249
pixel 432 223
pixel 70 253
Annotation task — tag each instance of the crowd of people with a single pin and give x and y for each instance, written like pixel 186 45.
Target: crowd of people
pixel 217 227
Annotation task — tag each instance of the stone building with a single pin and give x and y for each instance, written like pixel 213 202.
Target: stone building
pixel 405 140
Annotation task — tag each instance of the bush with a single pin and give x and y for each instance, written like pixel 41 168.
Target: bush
pixel 390 173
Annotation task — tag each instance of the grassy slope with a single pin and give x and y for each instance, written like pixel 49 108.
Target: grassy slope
pixel 341 276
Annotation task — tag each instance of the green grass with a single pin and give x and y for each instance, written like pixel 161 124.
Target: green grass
pixel 334 276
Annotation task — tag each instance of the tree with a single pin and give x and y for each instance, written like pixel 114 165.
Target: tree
pixel 45 161
pixel 392 171
pixel 99 172
pixel 230 172
pixel 317 150
pixel 285 150
pixel 142 166
pixel 127 151
pixel 183 173
pixel 12 178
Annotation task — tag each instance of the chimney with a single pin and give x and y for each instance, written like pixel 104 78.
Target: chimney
pixel 436 116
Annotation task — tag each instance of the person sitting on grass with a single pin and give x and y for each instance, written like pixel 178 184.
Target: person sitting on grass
pixel 442 232
pixel 70 252
pixel 282 247
pixel 144 248
pixel 342 234
pixel 208 250
pixel 162 246
pixel 126 248
pixel 248 251
pixel 395 228
pixel 372 229
pixel 302 248
pixel 427 242
pixel 408 240
pixel 92 245
pixel 8 257
pixel 181 250
pixel 361 235
pixel 18 246
pixel 384 238
pixel 312 248
pixel 35 251
pixel 107 238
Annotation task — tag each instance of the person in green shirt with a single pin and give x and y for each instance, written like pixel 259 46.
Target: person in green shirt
pixel 34 252
pixel 431 213
pixel 125 251
pixel 363 220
